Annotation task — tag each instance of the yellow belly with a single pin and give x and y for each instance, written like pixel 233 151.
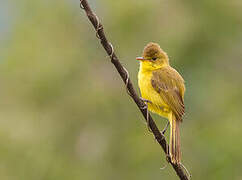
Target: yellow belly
pixel 147 92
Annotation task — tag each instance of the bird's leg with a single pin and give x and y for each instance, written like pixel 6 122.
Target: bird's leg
pixel 146 101
pixel 163 133
pixel 164 130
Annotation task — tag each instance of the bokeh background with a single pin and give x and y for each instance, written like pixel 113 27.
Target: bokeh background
pixel 64 111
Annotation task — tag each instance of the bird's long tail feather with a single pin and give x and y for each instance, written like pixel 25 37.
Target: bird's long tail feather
pixel 175 151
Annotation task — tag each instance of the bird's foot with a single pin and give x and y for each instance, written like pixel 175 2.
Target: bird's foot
pixel 145 100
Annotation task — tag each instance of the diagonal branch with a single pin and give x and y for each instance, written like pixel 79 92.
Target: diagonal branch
pixel 130 88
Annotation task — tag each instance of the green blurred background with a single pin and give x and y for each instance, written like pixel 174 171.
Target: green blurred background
pixel 64 111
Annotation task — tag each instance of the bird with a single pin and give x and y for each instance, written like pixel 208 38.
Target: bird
pixel 163 88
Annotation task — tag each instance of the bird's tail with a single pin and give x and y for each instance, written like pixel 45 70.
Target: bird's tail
pixel 175 151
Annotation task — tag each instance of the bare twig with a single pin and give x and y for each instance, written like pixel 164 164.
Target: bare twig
pixel 129 86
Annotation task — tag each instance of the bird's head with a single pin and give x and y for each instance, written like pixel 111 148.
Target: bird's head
pixel 153 57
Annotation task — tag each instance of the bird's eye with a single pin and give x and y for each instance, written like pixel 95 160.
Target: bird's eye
pixel 154 58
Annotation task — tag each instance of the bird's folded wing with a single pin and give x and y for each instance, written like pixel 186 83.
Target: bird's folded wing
pixel 170 85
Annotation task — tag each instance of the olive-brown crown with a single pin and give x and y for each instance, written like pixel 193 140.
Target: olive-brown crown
pixel 153 50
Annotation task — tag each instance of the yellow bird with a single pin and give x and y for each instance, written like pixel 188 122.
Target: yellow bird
pixel 163 87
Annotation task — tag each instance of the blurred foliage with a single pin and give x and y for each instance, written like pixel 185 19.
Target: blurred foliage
pixel 64 110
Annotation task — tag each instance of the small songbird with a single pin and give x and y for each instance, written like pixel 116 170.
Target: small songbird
pixel 163 88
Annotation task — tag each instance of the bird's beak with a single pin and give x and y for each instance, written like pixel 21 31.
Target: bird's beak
pixel 140 58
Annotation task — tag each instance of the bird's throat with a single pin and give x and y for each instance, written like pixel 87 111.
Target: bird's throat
pixel 146 66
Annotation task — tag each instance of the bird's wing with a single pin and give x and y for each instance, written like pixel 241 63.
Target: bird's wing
pixel 170 85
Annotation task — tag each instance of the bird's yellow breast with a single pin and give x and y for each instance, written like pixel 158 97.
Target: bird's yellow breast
pixel 148 92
